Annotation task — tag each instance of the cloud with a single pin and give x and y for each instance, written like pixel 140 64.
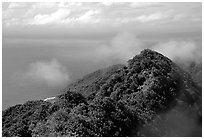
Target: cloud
pixel 61 16
pixel 180 51
pixel 155 16
pixel 58 16
pixel 15 5
pixel 43 5
pixel 50 72
pixel 123 46
pixel 69 4
pixel 120 14
pixel 142 4
pixel 107 3
pixel 88 16
pixel 151 17
pixel 179 16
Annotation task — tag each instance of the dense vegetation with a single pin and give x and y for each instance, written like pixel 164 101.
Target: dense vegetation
pixel 137 100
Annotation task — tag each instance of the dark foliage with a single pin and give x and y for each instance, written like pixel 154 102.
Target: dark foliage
pixel 90 84
pixel 136 100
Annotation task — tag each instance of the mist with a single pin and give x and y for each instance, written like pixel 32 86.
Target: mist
pixel 174 123
pixel 85 37
pixel 52 73
pixel 125 45
pixel 182 51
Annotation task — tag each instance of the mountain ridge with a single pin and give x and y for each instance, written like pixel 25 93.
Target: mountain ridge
pixel 116 101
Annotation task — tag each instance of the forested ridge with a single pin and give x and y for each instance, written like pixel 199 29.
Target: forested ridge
pixel 151 96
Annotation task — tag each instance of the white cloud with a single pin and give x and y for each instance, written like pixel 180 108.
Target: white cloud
pixel 121 14
pixel 142 4
pixel 107 3
pixel 61 16
pixel 179 17
pixel 63 5
pixel 180 51
pixel 50 72
pixel 58 16
pixel 88 16
pixel 155 16
pixel 123 47
pixel 12 22
pixel 13 5
pixel 69 4
pixel 151 17
pixel 16 5
pixel 43 5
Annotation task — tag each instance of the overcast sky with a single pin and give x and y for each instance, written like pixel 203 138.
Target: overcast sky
pixel 49 45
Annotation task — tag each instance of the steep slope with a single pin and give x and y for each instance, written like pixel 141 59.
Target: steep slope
pixel 90 84
pixel 150 97
pixel 16 119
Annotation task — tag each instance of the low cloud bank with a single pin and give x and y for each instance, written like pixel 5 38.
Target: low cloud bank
pixel 180 51
pixel 50 72
pixel 125 45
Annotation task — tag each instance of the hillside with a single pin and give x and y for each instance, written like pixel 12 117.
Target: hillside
pixel 152 96
pixel 91 83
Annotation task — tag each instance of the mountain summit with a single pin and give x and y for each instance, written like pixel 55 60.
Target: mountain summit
pixel 151 96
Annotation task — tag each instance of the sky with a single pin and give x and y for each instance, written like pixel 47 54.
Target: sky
pixel 46 46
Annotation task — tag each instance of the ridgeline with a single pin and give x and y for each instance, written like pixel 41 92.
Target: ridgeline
pixel 152 96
